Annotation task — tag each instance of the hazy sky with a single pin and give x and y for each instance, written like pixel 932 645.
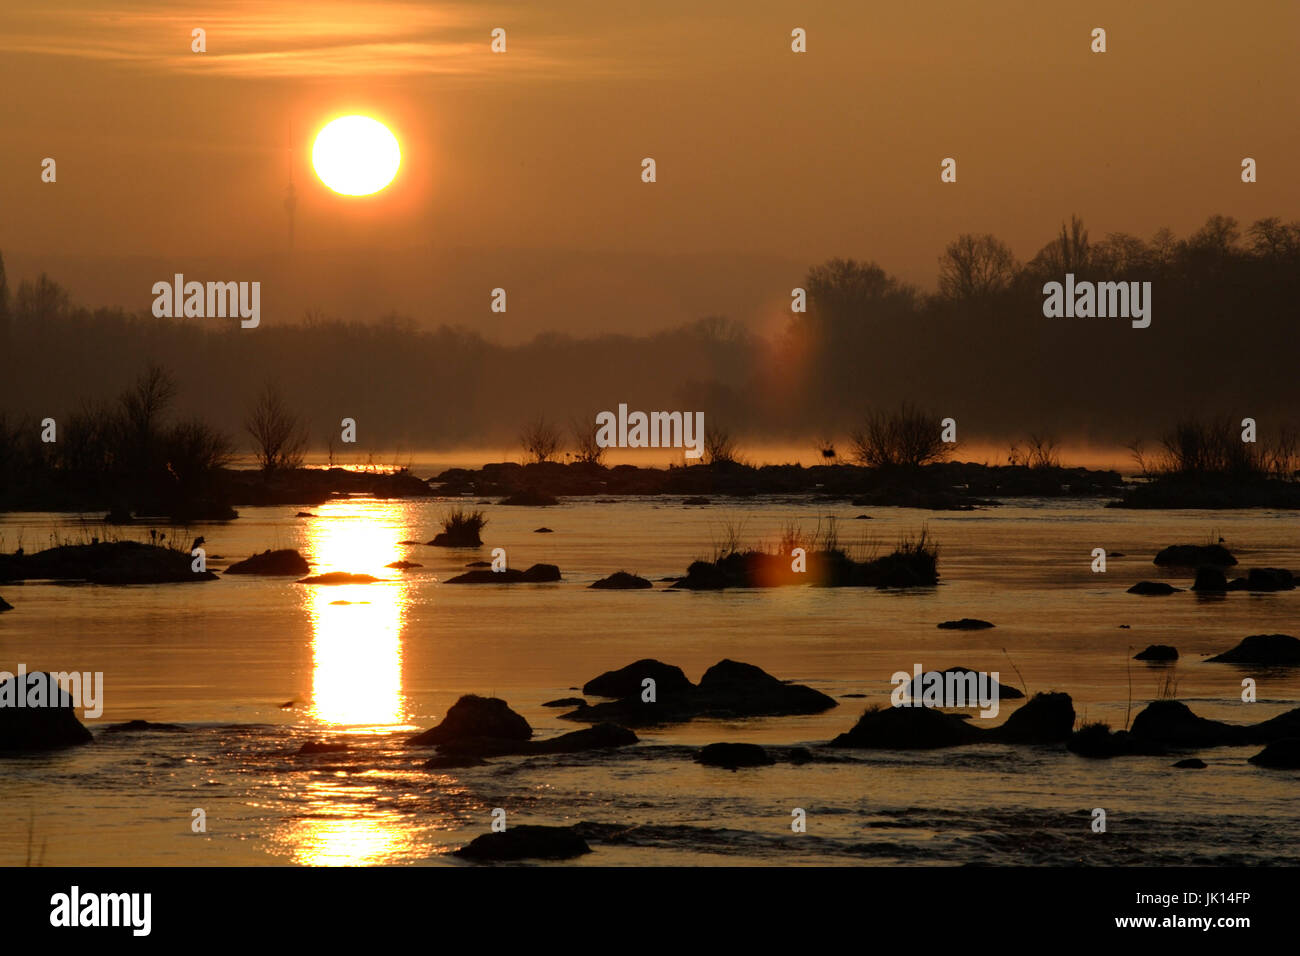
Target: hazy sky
pixel 522 169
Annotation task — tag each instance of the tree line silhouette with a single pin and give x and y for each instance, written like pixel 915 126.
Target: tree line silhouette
pixel 978 349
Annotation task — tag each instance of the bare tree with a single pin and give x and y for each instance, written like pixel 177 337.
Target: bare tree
pixel 279 436
pixel 973 267
pixel 719 447
pixel 905 437
pixel 540 440
pixel 587 450
pixel 1068 252
pixel 1040 452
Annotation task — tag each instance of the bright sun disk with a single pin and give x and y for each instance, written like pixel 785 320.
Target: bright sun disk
pixel 356 155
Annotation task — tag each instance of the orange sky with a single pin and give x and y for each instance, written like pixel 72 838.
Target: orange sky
pixel 522 169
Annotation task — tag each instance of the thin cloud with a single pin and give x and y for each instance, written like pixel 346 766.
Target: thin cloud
pixel 255 40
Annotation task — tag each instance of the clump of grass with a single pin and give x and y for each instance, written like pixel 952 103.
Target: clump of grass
pixel 461 522
pixel 1167 687
pixel 728 539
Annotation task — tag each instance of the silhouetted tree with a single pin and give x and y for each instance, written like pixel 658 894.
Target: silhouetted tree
pixel 586 449
pixel 540 440
pixel 975 267
pixel 905 437
pixel 279 436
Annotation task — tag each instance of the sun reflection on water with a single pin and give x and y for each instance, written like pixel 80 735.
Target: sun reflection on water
pixel 357 628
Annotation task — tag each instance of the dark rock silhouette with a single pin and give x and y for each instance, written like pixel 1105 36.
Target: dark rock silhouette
pixel 1172 722
pixel 566 702
pixel 627 681
pixel 321 747
pixel 1152 588
pixel 144 726
pixel 621 580
pixel 104 562
pixel 340 577
pixel 457 538
pixel 1262 649
pixel 1157 652
pixel 1190 763
pixel 1264 579
pixel 600 737
pixel 1046 718
pixel 42 727
pixel 543 531
pixel 525 843
pixel 965 624
pixel 732 756
pixel 1281 754
pixel 538 573
pixel 751 691
pixel 909 566
pixel 403 565
pixel 996 690
pixel 1096 741
pixel 304 514
pixel 474 716
pixel 5 605
pixel 286 561
pixel 1210 580
pixel 907 728
pixel 728 689
pixel 1194 556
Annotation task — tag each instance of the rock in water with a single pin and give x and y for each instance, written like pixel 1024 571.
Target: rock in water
pixel 1210 580
pixel 962 688
pixel 321 747
pixel 621 580
pixel 565 702
pixel 1171 722
pixel 341 577
pixel 285 561
pixel 1281 754
pixel 5 605
pixel 1157 652
pixel 1191 763
pixel 474 716
pixel 965 624
pixel 907 728
pixel 525 843
pixel 598 737
pixel 1195 555
pixel 1045 719
pixel 627 681
pixel 1153 588
pixel 732 756
pixel 538 573
pixel 38 727
pixel 1267 649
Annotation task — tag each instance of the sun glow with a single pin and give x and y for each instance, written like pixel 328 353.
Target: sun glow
pixel 356 155
pixel 356 628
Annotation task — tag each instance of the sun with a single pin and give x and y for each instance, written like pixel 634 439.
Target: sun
pixel 356 155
